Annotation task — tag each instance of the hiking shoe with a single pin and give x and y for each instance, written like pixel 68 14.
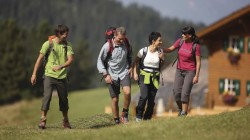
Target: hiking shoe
pixel 66 123
pixel 42 124
pixel 124 118
pixel 183 114
pixel 138 119
pixel 117 121
pixel 179 112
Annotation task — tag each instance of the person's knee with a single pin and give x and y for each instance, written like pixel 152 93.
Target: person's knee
pixel 127 91
pixel 115 99
pixel 177 96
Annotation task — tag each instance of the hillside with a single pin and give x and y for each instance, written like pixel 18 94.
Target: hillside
pixel 89 122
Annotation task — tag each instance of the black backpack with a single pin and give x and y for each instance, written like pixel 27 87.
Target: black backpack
pixel 141 64
pixel 50 49
pixel 193 51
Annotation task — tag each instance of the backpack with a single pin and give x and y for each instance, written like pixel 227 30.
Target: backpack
pixel 109 35
pixel 50 49
pixel 193 51
pixel 141 64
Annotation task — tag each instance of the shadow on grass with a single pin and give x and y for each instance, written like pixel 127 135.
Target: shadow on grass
pixel 94 122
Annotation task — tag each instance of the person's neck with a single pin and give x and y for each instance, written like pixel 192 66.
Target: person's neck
pixel 152 48
pixel 58 41
pixel 188 41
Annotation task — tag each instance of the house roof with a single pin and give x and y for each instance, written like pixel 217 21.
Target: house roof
pixel 234 16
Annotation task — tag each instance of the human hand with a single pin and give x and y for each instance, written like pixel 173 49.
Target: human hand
pixel 161 55
pixel 195 80
pixel 56 68
pixel 130 72
pixel 33 80
pixel 136 77
pixel 108 79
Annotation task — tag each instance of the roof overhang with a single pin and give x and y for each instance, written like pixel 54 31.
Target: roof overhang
pixel 232 17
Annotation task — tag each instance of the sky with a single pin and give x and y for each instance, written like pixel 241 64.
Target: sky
pixel 197 11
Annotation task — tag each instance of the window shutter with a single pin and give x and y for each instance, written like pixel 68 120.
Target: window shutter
pixel 248 88
pixel 240 44
pixel 237 87
pixel 221 85
pixel 226 43
pixel 248 46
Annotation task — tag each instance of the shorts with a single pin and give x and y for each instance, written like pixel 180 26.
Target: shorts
pixel 114 88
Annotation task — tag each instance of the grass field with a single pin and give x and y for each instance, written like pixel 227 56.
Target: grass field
pixel 19 121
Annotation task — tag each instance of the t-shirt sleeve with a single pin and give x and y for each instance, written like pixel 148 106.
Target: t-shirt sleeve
pixel 44 48
pixel 176 44
pixel 140 53
pixel 198 50
pixel 70 49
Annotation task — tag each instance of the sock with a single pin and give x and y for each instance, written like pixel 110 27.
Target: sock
pixel 183 113
pixel 125 110
pixel 117 119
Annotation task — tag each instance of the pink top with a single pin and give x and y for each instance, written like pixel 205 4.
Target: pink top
pixel 186 60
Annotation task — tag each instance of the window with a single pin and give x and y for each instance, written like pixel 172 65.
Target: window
pixel 229 85
pixel 235 43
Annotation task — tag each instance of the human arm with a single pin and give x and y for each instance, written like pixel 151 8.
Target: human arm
pixel 69 61
pixel 100 63
pixel 135 68
pixel 198 66
pixel 162 58
pixel 130 53
pixel 168 50
pixel 36 67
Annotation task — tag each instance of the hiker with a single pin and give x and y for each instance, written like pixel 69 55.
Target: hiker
pixel 60 56
pixel 147 72
pixel 117 71
pixel 188 67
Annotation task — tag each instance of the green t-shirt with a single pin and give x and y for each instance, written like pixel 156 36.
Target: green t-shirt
pixel 56 57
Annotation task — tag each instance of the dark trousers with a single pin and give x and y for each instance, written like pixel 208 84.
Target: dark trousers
pixel 61 86
pixel 183 85
pixel 147 96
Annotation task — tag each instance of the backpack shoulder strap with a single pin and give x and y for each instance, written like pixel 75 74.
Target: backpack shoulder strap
pixel 129 50
pixel 111 47
pixel 194 48
pixel 180 44
pixel 144 53
pixel 127 44
pixel 46 56
pixel 193 51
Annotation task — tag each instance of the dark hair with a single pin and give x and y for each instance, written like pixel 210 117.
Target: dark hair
pixel 190 30
pixel 153 37
pixel 61 29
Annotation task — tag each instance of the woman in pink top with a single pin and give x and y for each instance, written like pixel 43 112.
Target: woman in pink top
pixel 188 67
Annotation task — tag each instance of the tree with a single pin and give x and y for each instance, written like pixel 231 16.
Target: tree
pixel 11 61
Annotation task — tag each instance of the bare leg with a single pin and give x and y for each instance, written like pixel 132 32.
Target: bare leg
pixel 184 107
pixel 115 108
pixel 127 96
pixel 44 113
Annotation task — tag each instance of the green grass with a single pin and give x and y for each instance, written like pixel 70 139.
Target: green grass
pixel 90 123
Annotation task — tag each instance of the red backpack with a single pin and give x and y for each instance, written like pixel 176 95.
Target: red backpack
pixel 109 35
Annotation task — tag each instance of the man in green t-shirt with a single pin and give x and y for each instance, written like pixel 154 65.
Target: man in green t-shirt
pixel 60 56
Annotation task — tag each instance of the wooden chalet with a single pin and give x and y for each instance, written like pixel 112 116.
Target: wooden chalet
pixel 228 43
